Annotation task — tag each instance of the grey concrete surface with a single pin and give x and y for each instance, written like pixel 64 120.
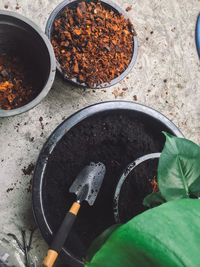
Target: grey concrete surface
pixel 167 52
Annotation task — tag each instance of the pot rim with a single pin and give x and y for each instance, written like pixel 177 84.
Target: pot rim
pixel 52 68
pixel 55 137
pixel 197 34
pixel 48 31
pixel 129 168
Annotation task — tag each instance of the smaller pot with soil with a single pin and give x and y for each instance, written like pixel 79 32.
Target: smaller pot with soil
pixel 94 42
pixel 27 64
pixel 136 182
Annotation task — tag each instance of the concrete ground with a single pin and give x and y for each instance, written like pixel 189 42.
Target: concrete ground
pixel 165 77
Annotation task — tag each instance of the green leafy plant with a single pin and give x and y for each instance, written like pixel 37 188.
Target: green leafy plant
pixel 167 235
pixel 153 200
pixel 178 172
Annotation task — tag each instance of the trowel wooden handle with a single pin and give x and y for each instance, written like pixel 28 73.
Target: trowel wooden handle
pixel 61 235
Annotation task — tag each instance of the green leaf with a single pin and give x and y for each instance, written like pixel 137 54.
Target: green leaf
pixel 167 235
pixel 153 200
pixel 99 241
pixel 179 168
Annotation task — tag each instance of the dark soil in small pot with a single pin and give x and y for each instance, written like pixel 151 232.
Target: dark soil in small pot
pixel 94 42
pixel 115 133
pixel 27 64
pixel 137 181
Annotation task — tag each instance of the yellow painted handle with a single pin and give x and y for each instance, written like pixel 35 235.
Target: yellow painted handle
pixel 75 208
pixel 50 258
pixel 61 235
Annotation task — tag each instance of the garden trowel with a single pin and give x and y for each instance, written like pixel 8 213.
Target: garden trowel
pixel 86 187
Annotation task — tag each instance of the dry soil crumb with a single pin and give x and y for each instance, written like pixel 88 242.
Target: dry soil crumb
pixel 135 97
pixel 121 94
pixel 41 123
pixel 28 170
pixel 179 85
pixel 9 189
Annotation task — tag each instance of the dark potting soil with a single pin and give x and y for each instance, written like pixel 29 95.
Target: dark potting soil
pixel 135 188
pixel 114 138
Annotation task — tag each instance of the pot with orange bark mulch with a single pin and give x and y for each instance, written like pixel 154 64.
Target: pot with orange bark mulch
pixel 94 42
pixel 16 88
pixel 27 64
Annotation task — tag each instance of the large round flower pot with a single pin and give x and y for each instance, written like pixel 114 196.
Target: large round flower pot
pixel 115 133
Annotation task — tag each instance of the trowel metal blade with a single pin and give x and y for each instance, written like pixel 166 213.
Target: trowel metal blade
pixel 88 182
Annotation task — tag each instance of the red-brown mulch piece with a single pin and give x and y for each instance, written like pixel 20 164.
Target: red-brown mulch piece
pixel 154 184
pixel 128 8
pixel 15 89
pixel 92 44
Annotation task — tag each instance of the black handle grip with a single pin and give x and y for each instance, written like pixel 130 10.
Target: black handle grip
pixel 63 232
